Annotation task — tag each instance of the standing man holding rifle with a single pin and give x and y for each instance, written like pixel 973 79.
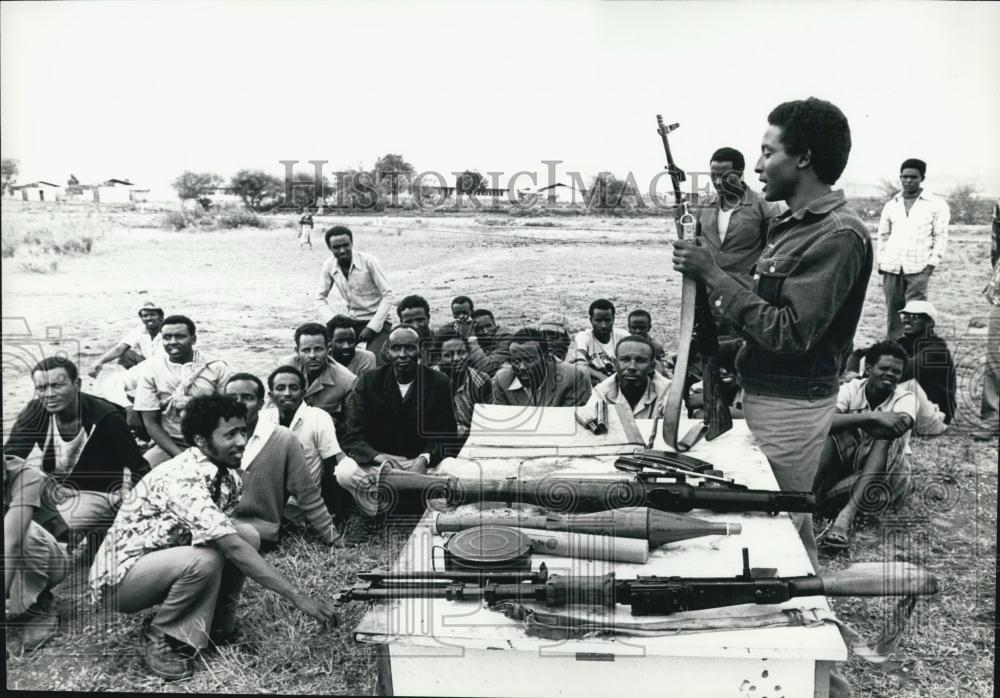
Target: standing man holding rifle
pixel 808 290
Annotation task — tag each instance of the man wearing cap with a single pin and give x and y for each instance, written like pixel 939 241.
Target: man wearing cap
pixel 912 237
pixel 930 361
pixel 139 344
pixel 636 385
pixel 555 330
pixel 362 284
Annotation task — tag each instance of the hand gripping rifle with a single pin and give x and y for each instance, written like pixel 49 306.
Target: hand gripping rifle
pixel 580 494
pixel 651 596
pixel 696 324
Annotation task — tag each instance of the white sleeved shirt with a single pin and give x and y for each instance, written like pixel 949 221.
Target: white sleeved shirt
pixel 907 243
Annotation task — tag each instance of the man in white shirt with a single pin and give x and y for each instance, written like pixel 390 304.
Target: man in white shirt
pixel 912 237
pixel 139 344
pixel 594 349
pixel 864 458
pixel 362 284
pixel 636 385
pixel 166 383
pixel 313 427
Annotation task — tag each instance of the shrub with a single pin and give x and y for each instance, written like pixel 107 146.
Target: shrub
pixel 240 219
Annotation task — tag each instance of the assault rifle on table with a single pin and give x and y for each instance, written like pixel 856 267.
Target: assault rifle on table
pixel 589 494
pixel 652 596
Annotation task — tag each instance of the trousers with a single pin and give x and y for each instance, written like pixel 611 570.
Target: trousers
pixel 196 588
pixel 898 289
pixel 41 565
pixel 791 433
pixel 990 408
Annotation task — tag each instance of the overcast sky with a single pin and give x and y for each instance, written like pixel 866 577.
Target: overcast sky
pixel 145 89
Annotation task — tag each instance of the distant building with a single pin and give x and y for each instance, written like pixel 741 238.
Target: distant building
pixel 114 191
pixel 560 193
pixel 37 191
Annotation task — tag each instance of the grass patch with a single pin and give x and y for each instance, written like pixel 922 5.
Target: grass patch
pixel 222 219
pixel 37 240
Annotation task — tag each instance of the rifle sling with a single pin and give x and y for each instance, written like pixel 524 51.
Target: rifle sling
pixel 567 626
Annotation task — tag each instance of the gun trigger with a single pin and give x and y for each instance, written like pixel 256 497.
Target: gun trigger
pixel 763 572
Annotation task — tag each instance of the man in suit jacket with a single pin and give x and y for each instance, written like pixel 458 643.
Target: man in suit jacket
pixel 399 414
pixel 535 378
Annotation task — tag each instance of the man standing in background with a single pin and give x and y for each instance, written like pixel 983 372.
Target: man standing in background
pixel 912 237
pixel 361 283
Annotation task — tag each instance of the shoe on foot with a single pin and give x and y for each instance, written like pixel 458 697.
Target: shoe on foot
pixel 162 658
pixel 41 625
pixel 986 434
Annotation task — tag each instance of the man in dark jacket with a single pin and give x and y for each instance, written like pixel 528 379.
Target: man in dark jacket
pixel 85 446
pixel 808 290
pixel 930 360
pixel 399 414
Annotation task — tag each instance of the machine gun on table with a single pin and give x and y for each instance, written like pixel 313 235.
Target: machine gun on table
pixel 651 595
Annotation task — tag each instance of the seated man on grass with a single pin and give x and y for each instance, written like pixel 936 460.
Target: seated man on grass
pixel 175 546
pixel 534 377
pixel 327 382
pixel 315 431
pixel 273 468
pixel 167 381
pixel 864 463
pixel 635 385
pixel 399 414
pixel 594 349
pixel 469 386
pixel 344 346
pixel 82 442
pixel 489 343
pixel 33 561
pixel 640 322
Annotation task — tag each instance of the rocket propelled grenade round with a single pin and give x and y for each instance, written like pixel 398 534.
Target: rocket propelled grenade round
pixel 656 527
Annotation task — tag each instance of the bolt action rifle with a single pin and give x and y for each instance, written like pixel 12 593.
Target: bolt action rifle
pixel 698 326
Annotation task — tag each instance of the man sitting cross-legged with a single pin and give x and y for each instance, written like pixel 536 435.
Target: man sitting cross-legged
pixel 400 414
pixel 635 385
pixel 469 385
pixel 273 468
pixel 595 348
pixel 167 381
pixel 328 383
pixel 315 431
pixel 85 447
pixel 864 458
pixel 175 546
pixel 344 346
pixel 535 378
pixel 139 344
pixel 33 561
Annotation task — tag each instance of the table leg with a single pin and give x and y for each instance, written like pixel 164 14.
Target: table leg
pixel 383 667
pixel 821 686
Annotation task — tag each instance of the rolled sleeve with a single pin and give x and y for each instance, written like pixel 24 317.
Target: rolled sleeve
pixel 323 290
pixel 326 435
pixel 381 282
pixel 146 398
pixel 832 265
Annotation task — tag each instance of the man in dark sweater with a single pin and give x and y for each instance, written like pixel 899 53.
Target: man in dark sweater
pixel 399 414
pixel 85 446
pixel 930 359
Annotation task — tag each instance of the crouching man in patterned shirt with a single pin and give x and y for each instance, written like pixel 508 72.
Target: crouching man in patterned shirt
pixel 174 545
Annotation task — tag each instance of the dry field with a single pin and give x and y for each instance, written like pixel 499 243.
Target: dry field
pixel 247 289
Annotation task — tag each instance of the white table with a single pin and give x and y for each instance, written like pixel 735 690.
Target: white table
pixel 449 648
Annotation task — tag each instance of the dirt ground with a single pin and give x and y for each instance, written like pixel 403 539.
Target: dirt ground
pixel 247 289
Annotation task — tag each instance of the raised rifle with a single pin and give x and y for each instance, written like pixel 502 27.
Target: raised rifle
pixel 697 325
pixel 580 494
pixel 660 596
